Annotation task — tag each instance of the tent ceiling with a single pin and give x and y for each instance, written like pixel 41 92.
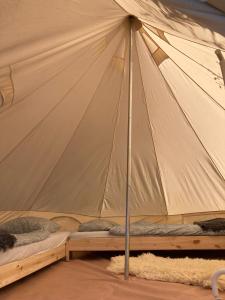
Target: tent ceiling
pixel 220 4
pixel 63 107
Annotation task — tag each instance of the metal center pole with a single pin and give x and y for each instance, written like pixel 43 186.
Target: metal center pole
pixel 129 141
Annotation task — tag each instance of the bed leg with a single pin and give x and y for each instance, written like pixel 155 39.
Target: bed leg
pixel 67 254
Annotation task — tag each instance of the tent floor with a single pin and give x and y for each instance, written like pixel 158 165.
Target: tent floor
pixel 88 279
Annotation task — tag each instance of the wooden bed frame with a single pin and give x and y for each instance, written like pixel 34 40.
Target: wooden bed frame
pixel 14 271
pixel 117 243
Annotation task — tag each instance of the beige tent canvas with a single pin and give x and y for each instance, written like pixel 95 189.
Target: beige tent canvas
pixel 64 86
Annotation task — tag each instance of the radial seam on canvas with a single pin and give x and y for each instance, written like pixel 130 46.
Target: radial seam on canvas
pixel 180 35
pixel 43 119
pixel 163 189
pixel 188 56
pixel 113 139
pixel 115 1
pixel 213 100
pixel 60 45
pixel 189 123
pixel 73 134
pixel 52 77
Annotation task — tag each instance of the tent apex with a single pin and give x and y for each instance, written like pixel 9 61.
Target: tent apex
pixel 135 21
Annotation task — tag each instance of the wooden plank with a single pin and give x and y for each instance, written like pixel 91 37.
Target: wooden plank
pixel 148 243
pixel 19 269
pixel 178 243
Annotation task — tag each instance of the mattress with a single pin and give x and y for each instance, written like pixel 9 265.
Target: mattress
pixel 80 235
pixel 17 253
pixel 148 229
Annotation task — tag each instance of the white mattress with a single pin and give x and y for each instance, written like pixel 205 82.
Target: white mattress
pixel 78 235
pixel 17 253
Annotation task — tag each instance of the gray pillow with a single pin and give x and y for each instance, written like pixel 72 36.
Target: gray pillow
pixel 29 224
pixel 96 225
pixel 134 227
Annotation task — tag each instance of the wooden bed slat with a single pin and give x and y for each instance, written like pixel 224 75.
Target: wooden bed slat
pixel 146 243
pixel 19 269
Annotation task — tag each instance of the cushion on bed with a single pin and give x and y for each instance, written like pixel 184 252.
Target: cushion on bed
pixel 96 225
pixel 28 224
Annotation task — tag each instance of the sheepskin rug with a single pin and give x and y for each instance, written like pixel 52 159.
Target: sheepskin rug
pixel 195 271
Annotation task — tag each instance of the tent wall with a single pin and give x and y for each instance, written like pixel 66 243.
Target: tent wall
pixel 71 220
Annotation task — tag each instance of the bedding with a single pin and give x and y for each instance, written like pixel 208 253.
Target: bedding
pixel 217 224
pixel 17 253
pixel 147 228
pixel 28 224
pixel 27 230
pixel 96 225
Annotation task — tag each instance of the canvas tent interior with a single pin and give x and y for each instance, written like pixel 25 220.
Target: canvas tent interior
pixel 69 72
pixel 64 82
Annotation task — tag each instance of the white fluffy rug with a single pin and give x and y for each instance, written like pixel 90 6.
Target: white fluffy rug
pixel 182 270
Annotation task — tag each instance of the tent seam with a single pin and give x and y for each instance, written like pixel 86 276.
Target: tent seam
pixel 46 116
pixel 163 190
pixel 55 75
pixel 187 119
pixel 24 98
pixel 212 99
pixel 113 140
pixel 52 109
pixel 72 136
pixel 181 52
pixel 181 36
pixel 58 46
pixel 115 1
